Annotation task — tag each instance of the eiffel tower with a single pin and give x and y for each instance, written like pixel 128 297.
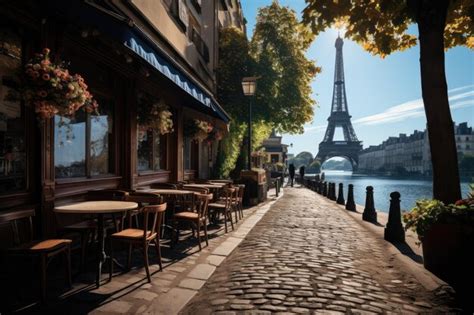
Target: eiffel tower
pixel 350 147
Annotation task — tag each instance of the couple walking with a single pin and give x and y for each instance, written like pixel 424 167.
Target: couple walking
pixel 291 170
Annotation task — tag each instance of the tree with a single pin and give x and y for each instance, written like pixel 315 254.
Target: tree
pixel 278 46
pixel 380 26
pixel 314 167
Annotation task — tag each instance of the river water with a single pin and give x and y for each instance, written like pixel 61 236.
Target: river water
pixel 410 189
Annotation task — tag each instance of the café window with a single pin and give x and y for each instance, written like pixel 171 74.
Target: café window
pixel 83 144
pixel 13 159
pixel 190 154
pixel 152 130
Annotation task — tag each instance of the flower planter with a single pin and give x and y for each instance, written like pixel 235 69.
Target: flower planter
pixel 448 253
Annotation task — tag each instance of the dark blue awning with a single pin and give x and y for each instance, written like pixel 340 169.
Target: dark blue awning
pixel 120 28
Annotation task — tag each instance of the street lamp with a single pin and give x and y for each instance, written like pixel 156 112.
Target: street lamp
pixel 249 85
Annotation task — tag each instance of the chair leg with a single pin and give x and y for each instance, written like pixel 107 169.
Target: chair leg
pixel 225 220
pixel 205 233
pixel 230 217
pixel 158 253
pixel 84 238
pixel 68 266
pixel 129 257
pixel 43 265
pixel 111 260
pixel 145 258
pixel 199 235
pixel 235 212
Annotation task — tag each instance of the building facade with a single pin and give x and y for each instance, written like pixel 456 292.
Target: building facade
pixel 410 154
pixel 275 151
pixel 133 55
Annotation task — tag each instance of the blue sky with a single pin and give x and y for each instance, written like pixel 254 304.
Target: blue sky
pixel 384 95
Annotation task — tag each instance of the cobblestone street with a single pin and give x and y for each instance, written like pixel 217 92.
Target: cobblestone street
pixel 308 256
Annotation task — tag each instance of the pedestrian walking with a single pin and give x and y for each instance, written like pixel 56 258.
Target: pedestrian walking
pixel 302 174
pixel 291 170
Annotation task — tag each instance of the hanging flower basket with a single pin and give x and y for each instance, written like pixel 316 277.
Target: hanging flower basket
pixel 214 135
pixel 52 90
pixel 198 130
pixel 156 116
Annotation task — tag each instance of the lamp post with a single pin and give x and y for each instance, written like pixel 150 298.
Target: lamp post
pixel 249 85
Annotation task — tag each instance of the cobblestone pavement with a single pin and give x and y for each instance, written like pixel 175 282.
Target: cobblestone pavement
pixel 308 256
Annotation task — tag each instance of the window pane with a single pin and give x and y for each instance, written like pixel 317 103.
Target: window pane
pixel 145 145
pixel 101 140
pixel 12 121
pixel 69 145
pixel 187 153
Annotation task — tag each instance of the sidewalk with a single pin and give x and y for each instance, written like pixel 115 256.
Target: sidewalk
pixel 185 270
pixel 309 256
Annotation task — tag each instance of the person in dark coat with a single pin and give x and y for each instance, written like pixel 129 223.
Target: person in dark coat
pixel 302 174
pixel 291 170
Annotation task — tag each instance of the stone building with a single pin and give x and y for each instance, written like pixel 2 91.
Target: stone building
pixel 132 54
pixel 410 154
pixel 275 151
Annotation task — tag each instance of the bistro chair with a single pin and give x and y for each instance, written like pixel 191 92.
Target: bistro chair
pixel 224 207
pixel 152 221
pixel 197 217
pixel 43 250
pixel 240 199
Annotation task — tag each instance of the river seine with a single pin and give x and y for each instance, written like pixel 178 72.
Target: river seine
pixel 410 189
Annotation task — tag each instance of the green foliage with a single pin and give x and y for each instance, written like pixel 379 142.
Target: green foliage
pixel 381 26
pixel 229 150
pixel 260 131
pixel 426 213
pixel 314 167
pixel 302 158
pixel 278 45
pixel 234 64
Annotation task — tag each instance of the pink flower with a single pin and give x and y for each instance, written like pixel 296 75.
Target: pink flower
pixel 43 93
pixel 46 51
pixel 46 77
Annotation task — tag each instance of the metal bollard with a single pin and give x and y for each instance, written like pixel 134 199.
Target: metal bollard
pixel 333 192
pixel 394 231
pixel 277 187
pixel 369 214
pixel 325 189
pixel 350 205
pixel 340 194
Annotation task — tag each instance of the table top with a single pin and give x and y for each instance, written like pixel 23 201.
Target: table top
pixel 164 191
pixel 97 207
pixel 210 186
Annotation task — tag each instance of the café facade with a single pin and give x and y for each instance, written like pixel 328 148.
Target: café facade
pixel 135 66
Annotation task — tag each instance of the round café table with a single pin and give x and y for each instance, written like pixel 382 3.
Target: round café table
pixel 98 208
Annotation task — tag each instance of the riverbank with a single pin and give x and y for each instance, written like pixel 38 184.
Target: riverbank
pixel 410 189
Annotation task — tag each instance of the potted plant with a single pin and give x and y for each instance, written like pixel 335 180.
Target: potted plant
pixel 197 129
pixel 51 89
pixel 154 116
pixel 446 233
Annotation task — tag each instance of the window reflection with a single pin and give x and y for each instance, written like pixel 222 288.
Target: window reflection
pixel 12 121
pixel 70 145
pixel 150 147
pixel 101 132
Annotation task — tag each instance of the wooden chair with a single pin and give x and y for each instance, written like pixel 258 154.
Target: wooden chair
pixel 224 207
pixel 44 250
pixel 142 237
pixel 164 186
pixel 197 218
pixel 240 199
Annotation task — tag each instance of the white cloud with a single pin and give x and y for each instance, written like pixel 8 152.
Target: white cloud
pixel 410 109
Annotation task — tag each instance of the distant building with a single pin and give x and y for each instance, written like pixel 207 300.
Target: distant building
pixel 276 152
pixel 410 154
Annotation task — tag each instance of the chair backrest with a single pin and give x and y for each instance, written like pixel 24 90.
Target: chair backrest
pixel 201 202
pixel 13 217
pixel 144 197
pixel 164 185
pixel 156 214
pixel 241 191
pixel 228 193
pixel 106 194
pixel 201 190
